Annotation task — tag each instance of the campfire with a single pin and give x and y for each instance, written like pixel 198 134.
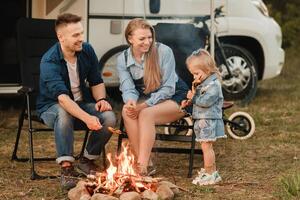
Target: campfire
pixel 122 178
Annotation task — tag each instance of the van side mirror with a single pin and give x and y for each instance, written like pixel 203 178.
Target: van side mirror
pixel 154 6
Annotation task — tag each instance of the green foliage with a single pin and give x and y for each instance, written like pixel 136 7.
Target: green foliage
pixel 289 187
pixel 287 14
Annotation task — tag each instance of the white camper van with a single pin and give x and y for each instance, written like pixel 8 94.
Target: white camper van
pixel 245 24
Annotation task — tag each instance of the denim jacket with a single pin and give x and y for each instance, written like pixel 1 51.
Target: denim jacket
pixel 54 76
pixel 208 100
pixel 129 69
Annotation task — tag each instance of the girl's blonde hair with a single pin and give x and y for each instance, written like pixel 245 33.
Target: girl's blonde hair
pixel 201 59
pixel 152 73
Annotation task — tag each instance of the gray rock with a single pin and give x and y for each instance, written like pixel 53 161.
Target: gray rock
pixel 149 195
pixel 130 196
pixel 99 196
pixel 165 193
pixel 79 192
pixel 172 186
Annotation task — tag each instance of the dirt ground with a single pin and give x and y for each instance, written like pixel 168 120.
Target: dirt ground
pixel 251 169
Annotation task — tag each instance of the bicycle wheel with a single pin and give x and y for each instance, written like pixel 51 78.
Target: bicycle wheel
pixel 186 121
pixel 242 85
pixel 241 126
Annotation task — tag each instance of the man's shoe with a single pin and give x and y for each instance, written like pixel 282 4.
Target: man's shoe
pixel 67 177
pixel 87 166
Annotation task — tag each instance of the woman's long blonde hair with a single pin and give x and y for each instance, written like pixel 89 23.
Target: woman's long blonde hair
pixel 152 73
pixel 201 59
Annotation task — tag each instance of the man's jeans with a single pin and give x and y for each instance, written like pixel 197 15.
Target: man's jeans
pixel 63 124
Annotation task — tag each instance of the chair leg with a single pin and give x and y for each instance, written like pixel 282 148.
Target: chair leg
pixel 20 125
pixel 191 161
pixel 83 145
pixel 34 175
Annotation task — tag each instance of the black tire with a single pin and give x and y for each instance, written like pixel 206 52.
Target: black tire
pixel 185 121
pixel 242 86
pixel 112 89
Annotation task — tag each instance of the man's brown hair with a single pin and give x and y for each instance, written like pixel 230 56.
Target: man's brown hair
pixel 65 19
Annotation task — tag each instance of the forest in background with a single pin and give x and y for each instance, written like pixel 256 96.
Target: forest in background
pixel 286 13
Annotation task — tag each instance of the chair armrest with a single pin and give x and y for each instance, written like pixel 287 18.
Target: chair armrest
pixel 25 90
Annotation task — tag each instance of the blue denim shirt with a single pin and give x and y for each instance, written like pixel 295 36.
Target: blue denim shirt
pixel 132 70
pixel 54 76
pixel 208 99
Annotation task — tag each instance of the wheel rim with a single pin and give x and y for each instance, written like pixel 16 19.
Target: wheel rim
pixel 244 126
pixel 178 130
pixel 241 75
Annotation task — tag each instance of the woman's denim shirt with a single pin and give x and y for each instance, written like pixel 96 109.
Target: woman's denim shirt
pixel 54 76
pixel 208 100
pixel 129 69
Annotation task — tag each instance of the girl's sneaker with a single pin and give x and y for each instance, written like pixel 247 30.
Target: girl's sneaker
pixel 204 178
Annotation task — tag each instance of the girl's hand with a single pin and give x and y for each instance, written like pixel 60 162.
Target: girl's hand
pixel 185 103
pixel 190 94
pixel 199 78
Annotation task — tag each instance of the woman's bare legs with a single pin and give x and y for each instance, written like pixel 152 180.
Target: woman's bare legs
pixel 161 113
pixel 131 126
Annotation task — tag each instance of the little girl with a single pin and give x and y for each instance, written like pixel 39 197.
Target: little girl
pixel 207 99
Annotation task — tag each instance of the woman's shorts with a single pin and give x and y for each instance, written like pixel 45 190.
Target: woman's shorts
pixel 209 129
pixel 181 91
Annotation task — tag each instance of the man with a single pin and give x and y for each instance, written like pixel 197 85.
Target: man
pixel 71 88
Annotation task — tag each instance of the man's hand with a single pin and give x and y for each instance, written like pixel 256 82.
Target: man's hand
pixel 93 123
pixel 102 106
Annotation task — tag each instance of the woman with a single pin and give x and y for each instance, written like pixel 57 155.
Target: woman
pixel 151 89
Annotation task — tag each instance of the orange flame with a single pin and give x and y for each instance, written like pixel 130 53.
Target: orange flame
pixel 125 166
pixel 123 176
pixel 111 171
pixel 126 161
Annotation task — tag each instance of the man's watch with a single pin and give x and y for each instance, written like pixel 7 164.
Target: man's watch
pixel 101 99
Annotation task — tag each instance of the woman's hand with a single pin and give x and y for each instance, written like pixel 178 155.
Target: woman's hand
pixel 133 109
pixel 130 109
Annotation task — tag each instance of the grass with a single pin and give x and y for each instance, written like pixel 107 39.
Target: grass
pixel 289 186
pixel 266 166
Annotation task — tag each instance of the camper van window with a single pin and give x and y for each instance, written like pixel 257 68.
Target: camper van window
pixel 154 6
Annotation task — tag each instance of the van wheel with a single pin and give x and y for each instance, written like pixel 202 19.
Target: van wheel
pixel 109 73
pixel 242 85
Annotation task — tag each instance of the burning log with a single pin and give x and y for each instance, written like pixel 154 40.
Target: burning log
pixel 124 178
